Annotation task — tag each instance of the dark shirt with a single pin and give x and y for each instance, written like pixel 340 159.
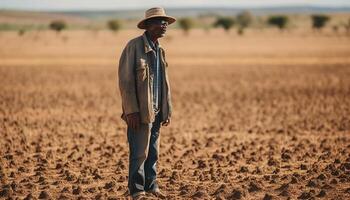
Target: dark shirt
pixel 156 75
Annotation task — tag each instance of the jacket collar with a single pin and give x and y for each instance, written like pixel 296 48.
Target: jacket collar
pixel 147 45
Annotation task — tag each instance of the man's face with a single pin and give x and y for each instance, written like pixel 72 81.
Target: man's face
pixel 157 27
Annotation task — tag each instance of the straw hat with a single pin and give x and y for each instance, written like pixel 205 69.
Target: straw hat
pixel 155 12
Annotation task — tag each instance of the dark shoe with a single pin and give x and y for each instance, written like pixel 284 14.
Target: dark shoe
pixel 138 195
pixel 157 193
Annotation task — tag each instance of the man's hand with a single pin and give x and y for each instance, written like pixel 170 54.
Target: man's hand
pixel 133 120
pixel 166 122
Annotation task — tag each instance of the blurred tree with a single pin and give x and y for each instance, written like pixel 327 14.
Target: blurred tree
pixel 186 24
pixel 114 25
pixel 58 25
pixel 319 21
pixel 244 19
pixel 280 21
pixel 224 22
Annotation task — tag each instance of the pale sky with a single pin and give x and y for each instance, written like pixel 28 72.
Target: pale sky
pixel 134 4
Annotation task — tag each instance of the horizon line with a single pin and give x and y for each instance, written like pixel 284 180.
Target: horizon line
pixel 180 7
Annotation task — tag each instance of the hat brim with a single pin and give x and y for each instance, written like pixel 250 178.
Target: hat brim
pixel 142 24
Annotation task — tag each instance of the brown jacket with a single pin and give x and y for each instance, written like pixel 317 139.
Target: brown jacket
pixel 134 81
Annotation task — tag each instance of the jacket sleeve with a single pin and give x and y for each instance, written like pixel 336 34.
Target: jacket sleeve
pixel 127 81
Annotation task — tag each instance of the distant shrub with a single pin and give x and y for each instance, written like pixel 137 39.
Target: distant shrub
pixel 224 22
pixel 279 20
pixel 319 21
pixel 58 25
pixel 186 24
pixel 114 25
pixel 21 32
pixel 240 31
pixel 244 19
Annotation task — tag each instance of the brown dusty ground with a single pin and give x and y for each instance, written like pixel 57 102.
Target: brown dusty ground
pixel 263 116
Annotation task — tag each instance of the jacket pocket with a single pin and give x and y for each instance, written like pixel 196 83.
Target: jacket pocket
pixel 141 72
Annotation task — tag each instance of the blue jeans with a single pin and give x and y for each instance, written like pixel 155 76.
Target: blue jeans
pixel 143 157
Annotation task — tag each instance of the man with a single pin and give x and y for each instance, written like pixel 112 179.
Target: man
pixel 146 104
